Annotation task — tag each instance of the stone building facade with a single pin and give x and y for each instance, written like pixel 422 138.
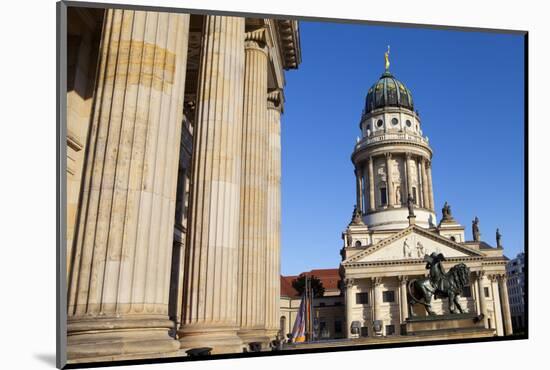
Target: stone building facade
pixel 515 270
pixel 173 181
pixel 327 311
pixel 384 248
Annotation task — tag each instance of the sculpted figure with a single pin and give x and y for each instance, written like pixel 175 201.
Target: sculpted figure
pixel 475 229
pixel 439 284
pixel 499 237
pixel 410 205
pixel 419 250
pixel 406 249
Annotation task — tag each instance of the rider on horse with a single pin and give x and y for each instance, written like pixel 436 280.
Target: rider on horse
pixel 437 273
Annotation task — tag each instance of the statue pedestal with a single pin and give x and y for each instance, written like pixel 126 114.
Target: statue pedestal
pixel 468 324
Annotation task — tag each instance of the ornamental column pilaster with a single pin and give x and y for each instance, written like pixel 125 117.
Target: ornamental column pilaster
pixel 359 186
pixel 480 278
pixel 403 299
pixel 409 176
pixel 389 180
pixel 119 279
pixel 349 305
pixel 430 185
pixel 377 295
pixel 253 202
pixel 273 286
pixel 372 202
pixel 211 279
pixel 425 195
pixel 505 304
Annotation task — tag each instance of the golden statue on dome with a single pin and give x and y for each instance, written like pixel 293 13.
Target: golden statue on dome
pixel 387 59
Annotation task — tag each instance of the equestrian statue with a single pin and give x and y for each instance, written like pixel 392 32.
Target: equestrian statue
pixel 439 284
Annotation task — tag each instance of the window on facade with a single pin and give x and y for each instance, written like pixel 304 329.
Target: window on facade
pixel 379 123
pixel 337 303
pixel 466 292
pixel 414 195
pixel 394 121
pixel 390 329
pixel 364 331
pixel 337 326
pixel 383 197
pixel 358 243
pixel 453 238
pixel 408 123
pixel 486 292
pixel 362 298
pixel 388 296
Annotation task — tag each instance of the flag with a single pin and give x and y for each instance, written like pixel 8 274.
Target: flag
pixel 299 328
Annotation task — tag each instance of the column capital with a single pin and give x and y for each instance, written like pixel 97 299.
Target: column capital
pixel 256 39
pixel 348 283
pixel 408 155
pixel 479 274
pixel 403 279
pixel 275 99
pixel 388 155
pixel 376 280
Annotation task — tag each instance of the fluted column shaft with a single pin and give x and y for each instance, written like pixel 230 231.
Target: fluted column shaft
pixel 505 304
pixel 403 301
pixel 357 172
pixel 377 297
pixel 430 185
pixel 481 295
pixel 349 306
pixel 120 275
pixel 409 175
pixel 389 180
pixel 210 288
pixel 273 265
pixel 372 204
pixel 425 195
pixel 253 206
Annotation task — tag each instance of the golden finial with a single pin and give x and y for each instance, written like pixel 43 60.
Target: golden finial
pixel 387 58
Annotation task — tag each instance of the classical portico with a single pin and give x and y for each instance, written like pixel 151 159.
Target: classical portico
pixel 385 248
pixel 174 181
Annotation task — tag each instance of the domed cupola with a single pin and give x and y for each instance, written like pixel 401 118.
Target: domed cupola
pixel 388 92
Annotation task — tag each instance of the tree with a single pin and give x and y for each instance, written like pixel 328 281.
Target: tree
pixel 299 284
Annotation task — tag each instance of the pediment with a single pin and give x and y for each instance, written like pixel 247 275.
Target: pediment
pixel 412 243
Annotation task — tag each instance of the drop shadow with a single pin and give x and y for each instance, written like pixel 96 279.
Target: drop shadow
pixel 46 358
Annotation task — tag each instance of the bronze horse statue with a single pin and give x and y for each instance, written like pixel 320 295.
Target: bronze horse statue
pixel 439 284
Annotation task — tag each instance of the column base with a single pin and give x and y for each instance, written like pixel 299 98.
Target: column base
pixel 255 336
pixel 114 339
pixel 220 339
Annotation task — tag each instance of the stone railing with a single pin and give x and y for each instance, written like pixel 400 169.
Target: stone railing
pixel 391 137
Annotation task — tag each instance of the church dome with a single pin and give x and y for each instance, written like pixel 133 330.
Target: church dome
pixel 388 92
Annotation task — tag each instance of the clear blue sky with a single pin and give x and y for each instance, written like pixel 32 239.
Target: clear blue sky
pixel 468 88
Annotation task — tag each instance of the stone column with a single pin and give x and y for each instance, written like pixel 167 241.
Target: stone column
pixel 349 305
pixel 406 179
pixel 481 295
pixel 505 304
pixel 430 185
pixel 403 301
pixel 409 175
pixel 425 195
pixel 210 291
pixel 273 281
pixel 497 309
pixel 389 181
pixel 372 202
pixel 118 285
pixel 358 185
pixel 253 214
pixel 377 294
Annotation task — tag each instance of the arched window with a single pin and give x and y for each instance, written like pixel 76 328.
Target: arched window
pixel 358 243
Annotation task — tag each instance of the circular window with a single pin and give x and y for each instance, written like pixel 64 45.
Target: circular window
pixel 409 123
pixel 379 123
pixel 394 121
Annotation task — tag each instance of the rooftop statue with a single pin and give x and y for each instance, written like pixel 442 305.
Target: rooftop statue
pixel 446 211
pixel 475 229
pixel 387 59
pixel 410 205
pixel 439 284
pixel 499 239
